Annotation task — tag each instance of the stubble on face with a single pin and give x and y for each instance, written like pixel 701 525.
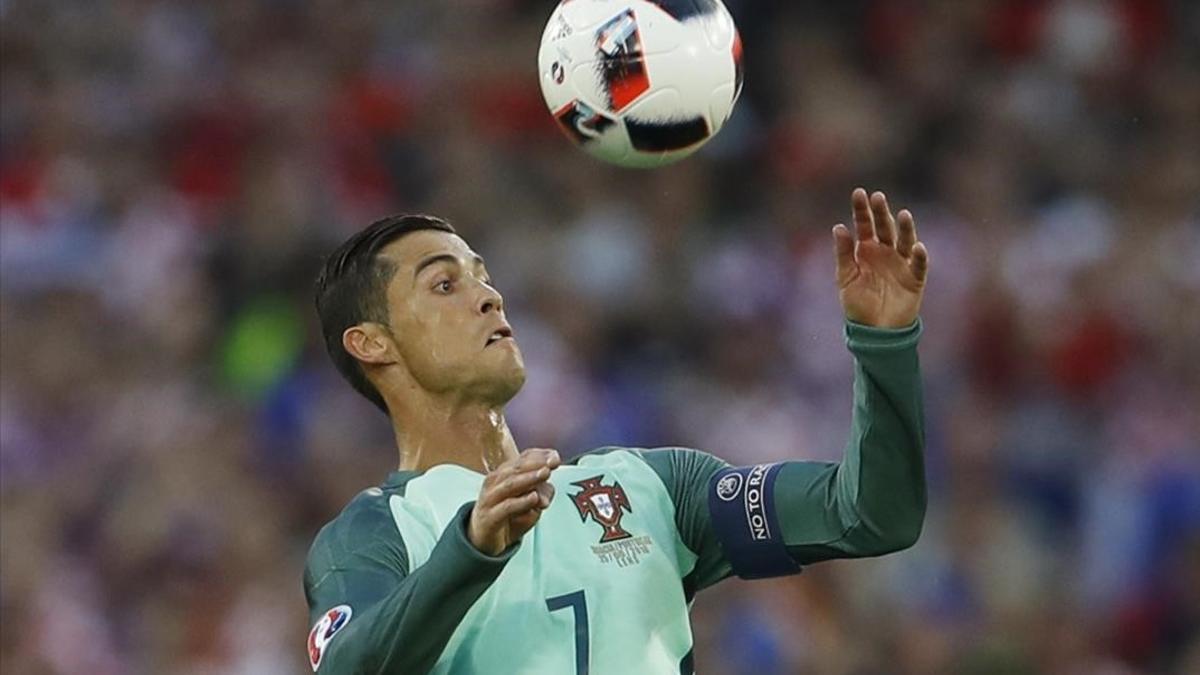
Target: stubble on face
pixel 441 330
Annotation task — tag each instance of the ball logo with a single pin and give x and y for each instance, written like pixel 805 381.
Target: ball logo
pixel 324 630
pixel 729 487
pixel 559 29
pixel 620 60
pixel 581 123
pixel 557 73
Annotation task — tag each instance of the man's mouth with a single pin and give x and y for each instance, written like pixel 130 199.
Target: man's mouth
pixel 498 335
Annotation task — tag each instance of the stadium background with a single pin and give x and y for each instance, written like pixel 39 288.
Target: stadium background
pixel 172 435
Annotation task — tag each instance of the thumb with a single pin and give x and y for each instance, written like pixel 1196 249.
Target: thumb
pixel 843 253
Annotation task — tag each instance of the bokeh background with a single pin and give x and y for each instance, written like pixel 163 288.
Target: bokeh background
pixel 172 436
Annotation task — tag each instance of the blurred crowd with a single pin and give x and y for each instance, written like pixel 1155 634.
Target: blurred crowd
pixel 172 435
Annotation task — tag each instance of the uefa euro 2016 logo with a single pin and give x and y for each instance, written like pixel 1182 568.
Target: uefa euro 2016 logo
pixel 326 627
pixel 604 503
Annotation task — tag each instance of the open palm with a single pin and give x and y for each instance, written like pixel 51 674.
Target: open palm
pixel 881 268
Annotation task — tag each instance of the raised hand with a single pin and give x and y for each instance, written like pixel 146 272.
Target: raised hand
pixel 881 269
pixel 511 500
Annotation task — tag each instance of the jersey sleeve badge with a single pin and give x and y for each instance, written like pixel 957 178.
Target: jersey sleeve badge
pixel 318 639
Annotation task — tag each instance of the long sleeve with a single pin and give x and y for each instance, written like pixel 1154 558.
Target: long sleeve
pixel 371 613
pixel 768 520
pixel 873 501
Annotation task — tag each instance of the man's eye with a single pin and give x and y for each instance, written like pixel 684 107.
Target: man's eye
pixel 444 286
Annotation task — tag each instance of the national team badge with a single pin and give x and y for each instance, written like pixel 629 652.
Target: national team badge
pixel 604 503
pixel 324 630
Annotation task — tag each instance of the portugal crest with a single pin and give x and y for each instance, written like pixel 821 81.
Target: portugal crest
pixel 604 503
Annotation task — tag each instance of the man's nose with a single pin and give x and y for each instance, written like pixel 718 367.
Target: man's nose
pixel 492 301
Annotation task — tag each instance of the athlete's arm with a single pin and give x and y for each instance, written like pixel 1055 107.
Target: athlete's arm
pixel 873 501
pixel 769 520
pixel 372 614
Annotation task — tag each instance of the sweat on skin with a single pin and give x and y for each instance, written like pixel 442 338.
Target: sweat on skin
pixel 441 569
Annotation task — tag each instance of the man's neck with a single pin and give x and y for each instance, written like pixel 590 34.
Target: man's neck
pixel 474 436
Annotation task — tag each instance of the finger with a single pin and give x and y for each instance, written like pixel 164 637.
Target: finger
pixel 529 460
pixel 514 506
pixel 535 457
pixel 520 524
pixel 864 227
pixel 500 474
pixel 885 226
pixel 517 484
pixel 843 251
pixel 526 461
pixel 545 494
pixel 908 233
pixel 920 262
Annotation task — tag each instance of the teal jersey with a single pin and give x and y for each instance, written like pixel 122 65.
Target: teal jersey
pixel 603 582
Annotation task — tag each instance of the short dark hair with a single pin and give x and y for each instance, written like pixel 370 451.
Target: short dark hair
pixel 352 289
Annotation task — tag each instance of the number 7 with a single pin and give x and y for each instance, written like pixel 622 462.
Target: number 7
pixel 578 602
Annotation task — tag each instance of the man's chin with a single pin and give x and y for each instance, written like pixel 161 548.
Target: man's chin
pixel 503 382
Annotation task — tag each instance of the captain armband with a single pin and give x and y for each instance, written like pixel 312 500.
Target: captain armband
pixel 742 506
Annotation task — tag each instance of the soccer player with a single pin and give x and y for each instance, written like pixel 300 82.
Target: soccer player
pixel 463 560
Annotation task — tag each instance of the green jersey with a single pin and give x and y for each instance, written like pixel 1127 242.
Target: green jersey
pixel 604 581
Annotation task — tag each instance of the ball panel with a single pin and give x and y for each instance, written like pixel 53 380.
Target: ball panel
pixel 720 106
pixel 682 10
pixel 586 84
pixel 717 28
pixel 655 136
pixel 660 32
pixel 739 66
pixel 586 16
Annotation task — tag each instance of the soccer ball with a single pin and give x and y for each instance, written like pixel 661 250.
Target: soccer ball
pixel 640 83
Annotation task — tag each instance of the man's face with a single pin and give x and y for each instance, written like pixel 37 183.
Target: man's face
pixel 448 321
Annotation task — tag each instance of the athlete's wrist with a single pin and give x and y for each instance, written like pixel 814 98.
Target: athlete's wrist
pixel 485 544
pixel 860 337
pixel 477 542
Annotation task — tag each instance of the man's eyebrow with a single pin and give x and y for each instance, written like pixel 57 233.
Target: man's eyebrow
pixel 442 257
pixel 433 260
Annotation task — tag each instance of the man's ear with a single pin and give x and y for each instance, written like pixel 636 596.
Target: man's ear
pixel 369 343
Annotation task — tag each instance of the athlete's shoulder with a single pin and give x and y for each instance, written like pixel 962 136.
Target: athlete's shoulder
pixel 682 470
pixel 364 530
pixel 644 454
pixel 670 463
pixel 615 456
pixel 606 452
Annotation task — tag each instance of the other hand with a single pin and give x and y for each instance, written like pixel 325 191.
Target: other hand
pixel 881 268
pixel 511 500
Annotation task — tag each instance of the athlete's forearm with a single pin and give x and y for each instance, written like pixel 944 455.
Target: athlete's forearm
pixel 407 630
pixel 766 520
pixel 873 502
